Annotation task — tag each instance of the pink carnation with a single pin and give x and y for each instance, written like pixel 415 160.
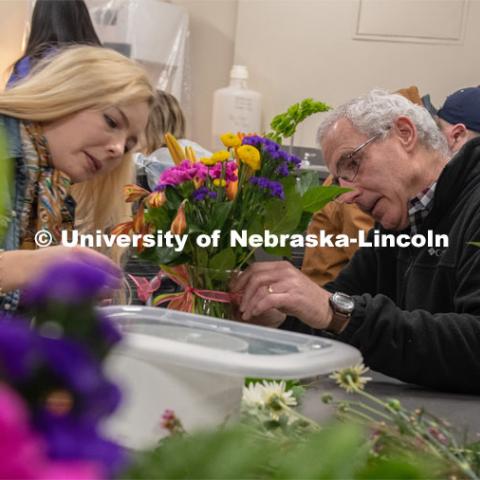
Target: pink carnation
pixel 184 172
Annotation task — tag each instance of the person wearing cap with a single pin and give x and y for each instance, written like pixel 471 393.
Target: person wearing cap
pixel 412 310
pixel 459 117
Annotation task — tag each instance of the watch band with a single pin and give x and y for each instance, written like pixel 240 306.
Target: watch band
pixel 339 322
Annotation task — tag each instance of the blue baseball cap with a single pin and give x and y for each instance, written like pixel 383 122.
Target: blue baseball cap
pixel 463 106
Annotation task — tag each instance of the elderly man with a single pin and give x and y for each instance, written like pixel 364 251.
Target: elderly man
pixel 413 312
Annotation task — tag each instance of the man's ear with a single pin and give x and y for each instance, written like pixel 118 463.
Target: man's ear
pixel 406 132
pixel 458 135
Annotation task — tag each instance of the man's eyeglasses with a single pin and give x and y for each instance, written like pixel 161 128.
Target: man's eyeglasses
pixel 349 164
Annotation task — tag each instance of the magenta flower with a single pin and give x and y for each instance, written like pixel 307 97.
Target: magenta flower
pixel 230 171
pixel 185 172
pixel 22 451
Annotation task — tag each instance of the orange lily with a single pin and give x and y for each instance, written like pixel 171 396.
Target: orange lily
pixel 179 224
pixel 156 199
pixel 132 192
pixel 122 228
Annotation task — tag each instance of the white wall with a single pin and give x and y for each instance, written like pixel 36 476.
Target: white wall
pixel 212 36
pixel 309 50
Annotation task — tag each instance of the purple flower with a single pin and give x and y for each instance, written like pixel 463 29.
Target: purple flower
pixel 274 188
pixel 184 172
pixel 72 281
pixel 253 140
pixel 282 169
pixel 295 160
pixel 203 192
pixel 39 366
pixel 68 438
pixel 273 152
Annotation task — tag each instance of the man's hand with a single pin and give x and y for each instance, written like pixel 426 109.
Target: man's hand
pixel 270 289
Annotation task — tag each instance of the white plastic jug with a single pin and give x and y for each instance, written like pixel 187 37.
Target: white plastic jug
pixel 235 108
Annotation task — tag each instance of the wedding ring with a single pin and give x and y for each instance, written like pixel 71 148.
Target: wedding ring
pixel 270 289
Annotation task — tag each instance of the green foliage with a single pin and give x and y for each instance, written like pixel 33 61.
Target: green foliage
pixel 285 124
pixel 317 197
pixel 338 451
pixel 6 178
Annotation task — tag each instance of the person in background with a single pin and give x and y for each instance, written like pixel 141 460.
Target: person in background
pixel 459 117
pixel 166 117
pixel 414 312
pixel 70 126
pixel 323 265
pixel 54 23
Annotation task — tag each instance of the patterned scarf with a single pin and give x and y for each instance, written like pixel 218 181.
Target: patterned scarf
pixel 45 204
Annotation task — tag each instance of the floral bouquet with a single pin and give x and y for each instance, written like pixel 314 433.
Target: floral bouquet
pixel 208 216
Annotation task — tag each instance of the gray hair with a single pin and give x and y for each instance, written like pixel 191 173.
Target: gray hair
pixel 375 112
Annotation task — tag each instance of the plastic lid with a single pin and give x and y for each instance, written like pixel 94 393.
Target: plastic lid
pixel 223 346
pixel 239 71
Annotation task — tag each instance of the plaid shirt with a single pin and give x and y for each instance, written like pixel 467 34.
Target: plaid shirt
pixel 419 207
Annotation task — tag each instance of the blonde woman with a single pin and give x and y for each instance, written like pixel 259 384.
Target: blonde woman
pixel 70 126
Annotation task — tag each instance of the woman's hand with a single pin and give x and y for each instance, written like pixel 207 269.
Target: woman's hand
pixel 17 267
pixel 272 290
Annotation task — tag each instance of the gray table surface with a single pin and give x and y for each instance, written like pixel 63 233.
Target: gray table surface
pixel 463 411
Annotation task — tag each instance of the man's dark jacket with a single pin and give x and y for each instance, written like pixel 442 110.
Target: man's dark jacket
pixel 417 310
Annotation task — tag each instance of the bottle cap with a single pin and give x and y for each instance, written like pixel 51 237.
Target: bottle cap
pixel 239 71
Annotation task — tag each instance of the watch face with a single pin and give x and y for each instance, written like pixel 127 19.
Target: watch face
pixel 344 303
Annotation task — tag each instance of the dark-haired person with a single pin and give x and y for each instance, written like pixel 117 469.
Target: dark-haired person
pixel 54 23
pixel 459 117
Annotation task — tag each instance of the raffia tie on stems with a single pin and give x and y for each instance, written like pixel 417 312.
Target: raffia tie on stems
pixel 182 301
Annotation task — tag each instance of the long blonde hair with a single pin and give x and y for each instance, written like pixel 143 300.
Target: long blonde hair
pixel 75 79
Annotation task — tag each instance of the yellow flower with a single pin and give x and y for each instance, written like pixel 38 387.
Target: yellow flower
pixel 208 161
pixel 350 378
pixel 221 156
pixel 219 182
pixel 230 140
pixel 250 156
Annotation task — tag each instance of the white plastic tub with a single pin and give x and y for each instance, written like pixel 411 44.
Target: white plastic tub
pixel 196 365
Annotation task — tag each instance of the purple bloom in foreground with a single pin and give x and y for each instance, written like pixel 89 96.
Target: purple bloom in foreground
pixel 49 365
pixel 72 281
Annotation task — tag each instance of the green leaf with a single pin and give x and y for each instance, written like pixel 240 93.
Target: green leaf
pixel 307 180
pixel 6 182
pixel 279 251
pixel 166 255
pixel 159 217
pixel 224 260
pixel 332 453
pixel 219 214
pixel 315 198
pixel 283 216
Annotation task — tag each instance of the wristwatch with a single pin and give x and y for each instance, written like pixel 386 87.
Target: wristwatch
pixel 342 306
